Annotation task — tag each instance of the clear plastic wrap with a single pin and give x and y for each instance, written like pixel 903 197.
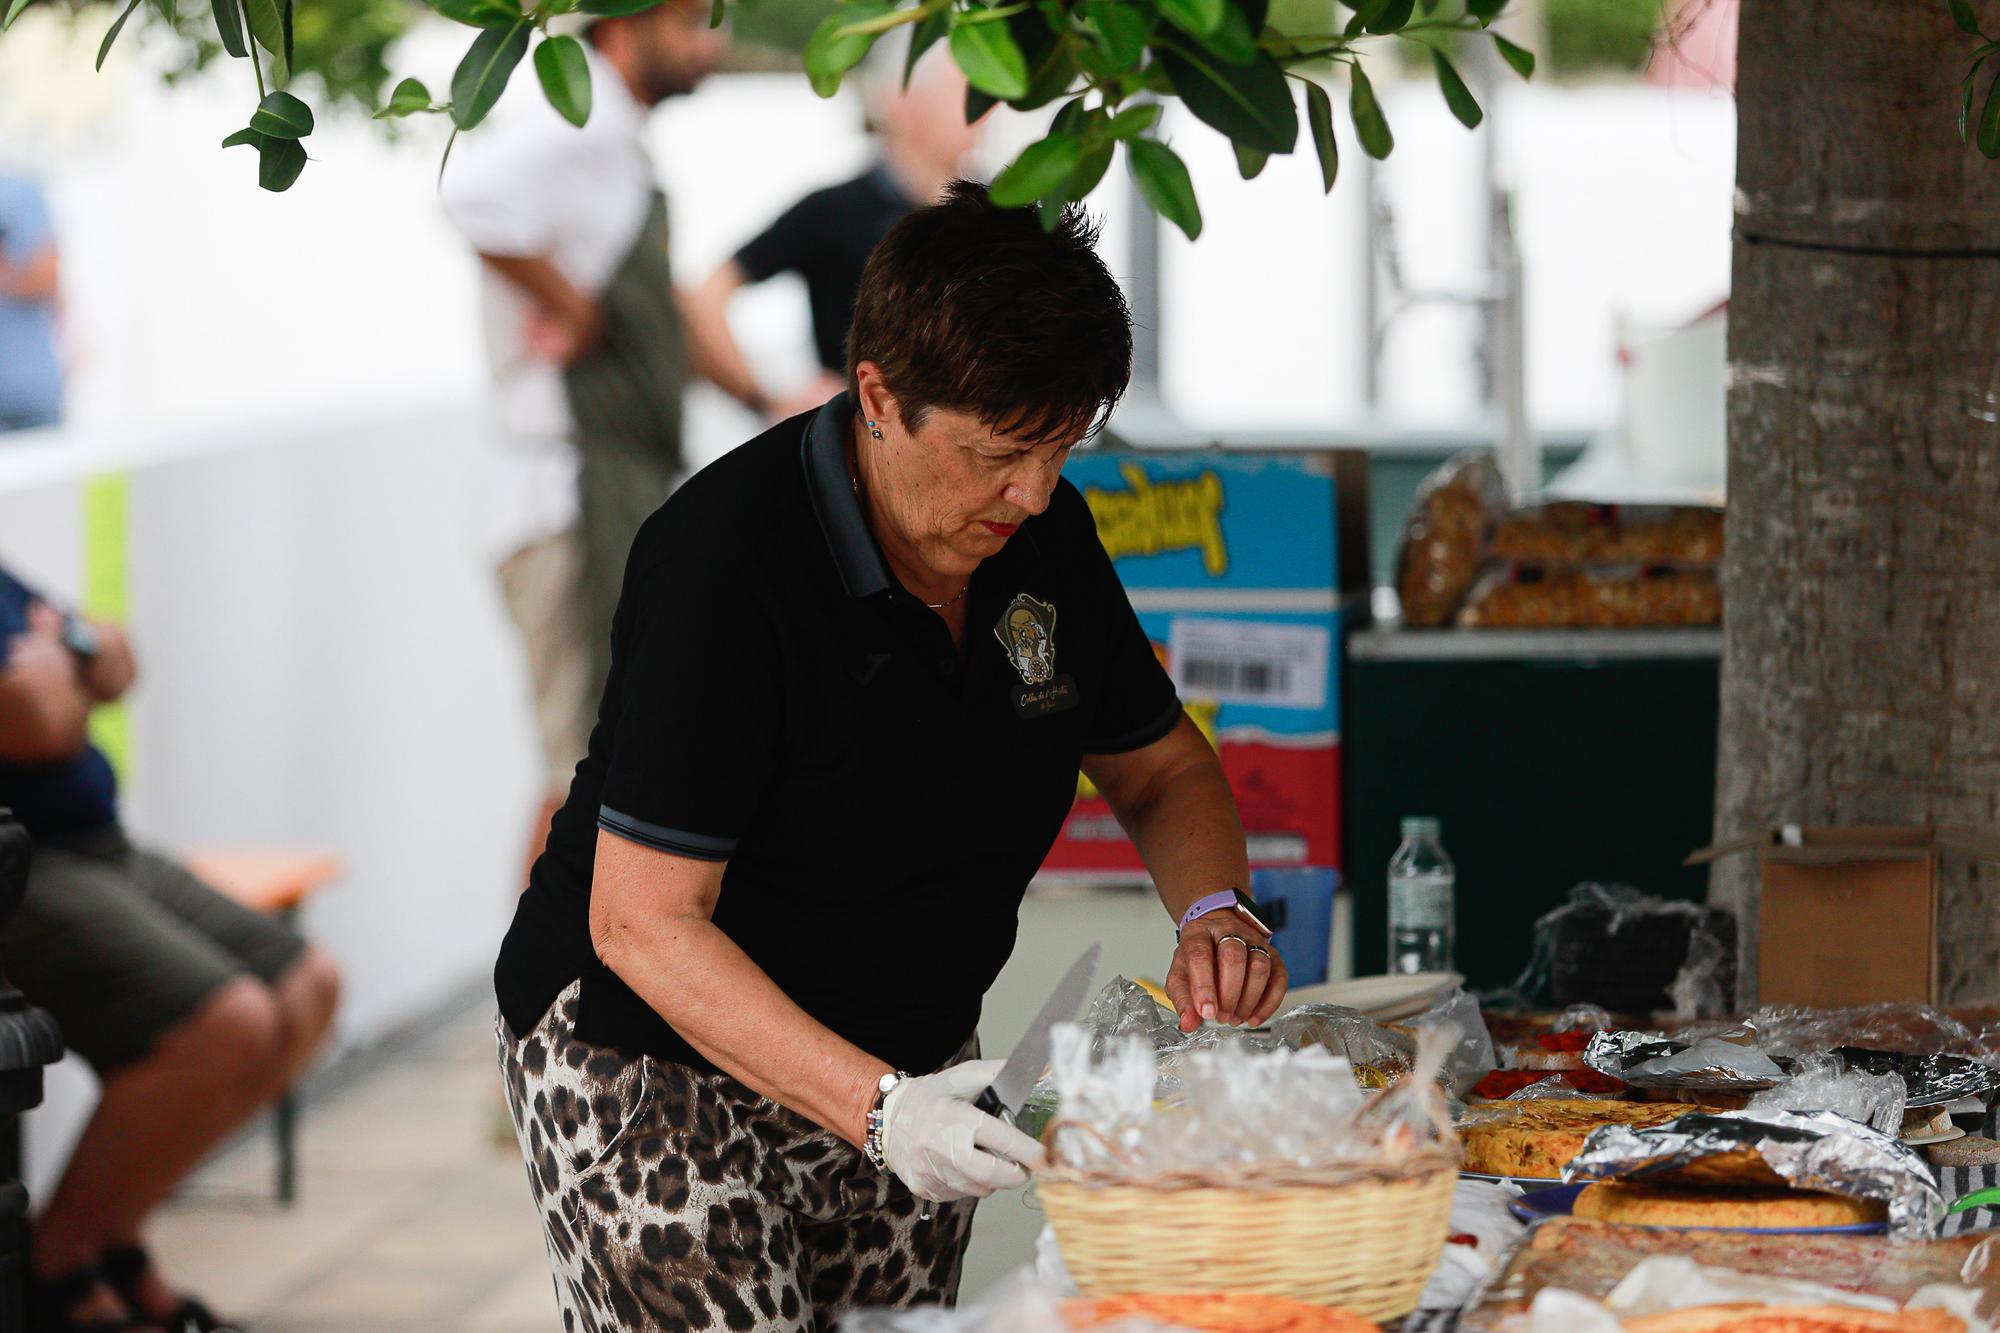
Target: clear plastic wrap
pixel 1744 1058
pixel 1445 538
pixel 1709 1064
pixel 1591 1258
pixel 1245 1112
pixel 1610 946
pixel 1810 1151
pixel 1914 1029
pixel 1825 1083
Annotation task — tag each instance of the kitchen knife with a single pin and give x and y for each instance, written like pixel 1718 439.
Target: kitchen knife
pixel 1031 1054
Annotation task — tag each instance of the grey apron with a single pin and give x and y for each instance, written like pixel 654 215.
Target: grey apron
pixel 625 398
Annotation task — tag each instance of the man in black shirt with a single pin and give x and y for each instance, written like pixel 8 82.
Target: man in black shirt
pixel 827 236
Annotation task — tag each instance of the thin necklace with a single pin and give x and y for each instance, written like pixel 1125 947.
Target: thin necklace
pixel 855 482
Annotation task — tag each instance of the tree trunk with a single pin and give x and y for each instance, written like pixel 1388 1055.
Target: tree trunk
pixel 1861 666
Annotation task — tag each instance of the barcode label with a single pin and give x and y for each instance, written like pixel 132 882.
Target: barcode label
pixel 1250 661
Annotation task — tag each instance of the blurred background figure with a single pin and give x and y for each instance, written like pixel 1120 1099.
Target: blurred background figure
pixel 588 356
pixel 194 1011
pixel 921 141
pixel 30 379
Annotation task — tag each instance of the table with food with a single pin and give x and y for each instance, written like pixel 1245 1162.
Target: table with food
pixel 1509 1170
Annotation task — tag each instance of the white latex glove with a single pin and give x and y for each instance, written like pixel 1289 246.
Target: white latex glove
pixel 943 1147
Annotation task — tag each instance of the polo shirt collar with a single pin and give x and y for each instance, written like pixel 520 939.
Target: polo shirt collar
pixel 830 486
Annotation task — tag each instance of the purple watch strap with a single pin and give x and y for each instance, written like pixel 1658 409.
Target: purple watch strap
pixel 1214 902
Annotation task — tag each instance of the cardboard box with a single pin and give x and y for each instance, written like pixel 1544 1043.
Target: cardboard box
pixel 1849 915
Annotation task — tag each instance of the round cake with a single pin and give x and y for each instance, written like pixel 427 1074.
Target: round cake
pixel 1677 1206
pixel 1537 1139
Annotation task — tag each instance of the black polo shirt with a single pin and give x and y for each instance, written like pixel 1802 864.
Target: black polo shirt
pixel 826 239
pixel 778 701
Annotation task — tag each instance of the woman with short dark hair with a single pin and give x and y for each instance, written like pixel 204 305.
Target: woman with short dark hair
pixel 856 667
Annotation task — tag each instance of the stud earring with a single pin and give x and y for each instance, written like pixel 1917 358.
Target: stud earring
pixel 873 431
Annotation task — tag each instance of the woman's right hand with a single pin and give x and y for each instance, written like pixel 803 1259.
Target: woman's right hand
pixel 943 1147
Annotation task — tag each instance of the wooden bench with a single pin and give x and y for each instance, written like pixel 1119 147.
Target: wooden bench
pixel 277 881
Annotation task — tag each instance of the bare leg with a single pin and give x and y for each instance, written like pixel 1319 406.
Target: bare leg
pixel 157 1118
pixel 307 995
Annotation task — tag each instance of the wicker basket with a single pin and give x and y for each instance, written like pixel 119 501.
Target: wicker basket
pixel 1365 1242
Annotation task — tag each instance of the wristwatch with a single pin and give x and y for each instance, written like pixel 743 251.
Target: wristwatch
pixel 1227 898
pixel 871 1148
pixel 81 638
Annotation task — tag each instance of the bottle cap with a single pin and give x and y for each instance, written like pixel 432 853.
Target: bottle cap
pixel 1420 826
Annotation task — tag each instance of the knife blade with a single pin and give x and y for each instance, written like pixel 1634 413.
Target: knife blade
pixel 1031 1054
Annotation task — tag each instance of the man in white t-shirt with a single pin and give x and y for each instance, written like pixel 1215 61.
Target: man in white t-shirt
pixel 586 347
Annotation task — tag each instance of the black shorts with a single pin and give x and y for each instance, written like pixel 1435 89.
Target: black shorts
pixel 121 945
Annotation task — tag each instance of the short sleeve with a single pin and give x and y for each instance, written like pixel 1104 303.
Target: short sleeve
pixel 496 196
pixel 14 599
pixel 784 246
pixel 1136 703
pixel 24 220
pixel 699 713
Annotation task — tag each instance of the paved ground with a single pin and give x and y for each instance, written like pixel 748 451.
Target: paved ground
pixel 413 1214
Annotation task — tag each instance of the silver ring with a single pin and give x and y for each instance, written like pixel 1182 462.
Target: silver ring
pixel 1258 948
pixel 1224 939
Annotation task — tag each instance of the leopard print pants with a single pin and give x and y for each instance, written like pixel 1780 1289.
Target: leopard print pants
pixel 673 1200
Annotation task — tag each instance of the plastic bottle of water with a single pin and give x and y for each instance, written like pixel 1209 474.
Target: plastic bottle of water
pixel 1420 901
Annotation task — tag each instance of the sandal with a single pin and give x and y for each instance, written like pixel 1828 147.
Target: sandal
pixel 50 1300
pixel 124 1265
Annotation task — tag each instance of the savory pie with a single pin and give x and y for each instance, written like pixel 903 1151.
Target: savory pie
pixel 1649 1205
pixel 1537 1139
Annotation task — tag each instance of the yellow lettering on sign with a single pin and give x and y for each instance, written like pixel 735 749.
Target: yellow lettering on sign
pixel 1158 518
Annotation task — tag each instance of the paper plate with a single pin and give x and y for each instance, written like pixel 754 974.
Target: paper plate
pixel 1559 1202
pixel 1381 998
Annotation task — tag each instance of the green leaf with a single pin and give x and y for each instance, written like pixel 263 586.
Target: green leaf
pixel 1163 179
pixel 229 27
pixel 1199 17
pixel 1096 161
pixel 1232 40
pixel 1456 95
pixel 930 30
pixel 617 9
pixel 565 76
pixel 285 29
pixel 480 13
pixel 1250 104
pixel 1071 119
pixel 1393 16
pixel 832 51
pixel 279 162
pixel 1249 162
pixel 1429 7
pixel 1962 15
pixel 718 10
pixel 1989 120
pixel 241 137
pixel 1965 107
pixel 282 116
pixel 104 48
pixel 1370 125
pixel 1134 121
pixel 1051 71
pixel 169 11
pixel 992 60
pixel 1523 61
pixel 1319 115
pixel 482 75
pixel 1041 170
pixel 1120 29
pixel 267 25
pixel 1485 10
pixel 14 9
pixel 409 98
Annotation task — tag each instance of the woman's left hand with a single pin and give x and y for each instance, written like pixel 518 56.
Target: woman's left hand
pixel 1225 971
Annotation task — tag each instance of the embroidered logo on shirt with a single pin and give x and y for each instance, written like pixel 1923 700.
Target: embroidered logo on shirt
pixel 1027 630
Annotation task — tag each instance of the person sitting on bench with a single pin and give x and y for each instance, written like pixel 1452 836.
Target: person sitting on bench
pixel 193 1010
